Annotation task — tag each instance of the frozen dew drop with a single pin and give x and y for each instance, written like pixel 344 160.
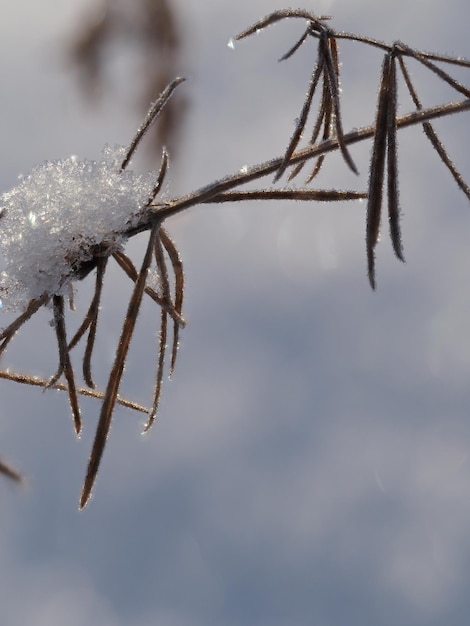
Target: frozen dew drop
pixel 231 44
pixel 244 169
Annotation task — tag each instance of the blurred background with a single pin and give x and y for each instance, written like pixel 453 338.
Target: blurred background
pixel 310 462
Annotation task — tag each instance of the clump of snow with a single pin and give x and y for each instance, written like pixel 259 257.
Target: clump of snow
pixel 50 221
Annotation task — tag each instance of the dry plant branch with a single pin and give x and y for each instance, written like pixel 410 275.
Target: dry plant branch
pixel 152 29
pixel 327 135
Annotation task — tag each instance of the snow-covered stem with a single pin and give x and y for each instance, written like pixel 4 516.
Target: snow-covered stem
pixel 71 217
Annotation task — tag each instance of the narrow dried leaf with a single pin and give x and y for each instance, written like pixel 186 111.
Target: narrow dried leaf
pixel 377 168
pixel 392 164
pixel 332 75
pixel 7 334
pixel 165 288
pixel 128 267
pixel 93 313
pixel 161 175
pixel 307 195
pixel 152 115
pixel 111 393
pixel 160 369
pixel 302 120
pixel 65 364
pixel 36 381
pixel 296 46
pixel 432 135
pixel 177 265
pixel 282 14
pixel 323 119
pixel 455 84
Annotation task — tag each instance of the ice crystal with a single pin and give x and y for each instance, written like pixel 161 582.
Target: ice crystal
pixel 51 220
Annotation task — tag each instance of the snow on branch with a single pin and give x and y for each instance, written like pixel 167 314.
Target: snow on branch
pixel 68 218
pixel 56 216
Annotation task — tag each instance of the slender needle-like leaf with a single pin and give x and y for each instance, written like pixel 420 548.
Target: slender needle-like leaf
pixel 306 195
pixel 151 117
pixel 377 168
pixel 161 175
pixel 35 381
pixel 332 75
pixel 65 364
pixel 160 369
pixel 86 366
pixel 117 370
pixel 165 287
pixel 296 46
pixel 432 135
pixel 177 265
pixel 314 21
pixel 128 267
pixel 392 164
pixel 302 120
pixel 9 332
pixel 455 84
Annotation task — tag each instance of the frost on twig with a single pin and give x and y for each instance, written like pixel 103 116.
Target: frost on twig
pixel 328 117
pixel 64 220
pixel 70 218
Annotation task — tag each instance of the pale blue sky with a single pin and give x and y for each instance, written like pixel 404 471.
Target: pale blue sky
pixel 310 463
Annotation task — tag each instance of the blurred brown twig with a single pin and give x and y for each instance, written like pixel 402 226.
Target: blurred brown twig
pixel 153 30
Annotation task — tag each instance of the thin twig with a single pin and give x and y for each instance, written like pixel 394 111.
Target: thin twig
pixel 326 136
pixel 392 164
pixel 302 120
pixel 165 287
pixel 276 16
pixel 151 117
pixel 112 388
pixel 177 264
pixel 159 213
pixel 431 133
pixel 7 334
pixel 36 381
pixel 10 472
pixel 306 195
pixel 377 169
pixel 65 364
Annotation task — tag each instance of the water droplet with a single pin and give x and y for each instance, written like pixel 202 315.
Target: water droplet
pixel 231 44
pixel 32 218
